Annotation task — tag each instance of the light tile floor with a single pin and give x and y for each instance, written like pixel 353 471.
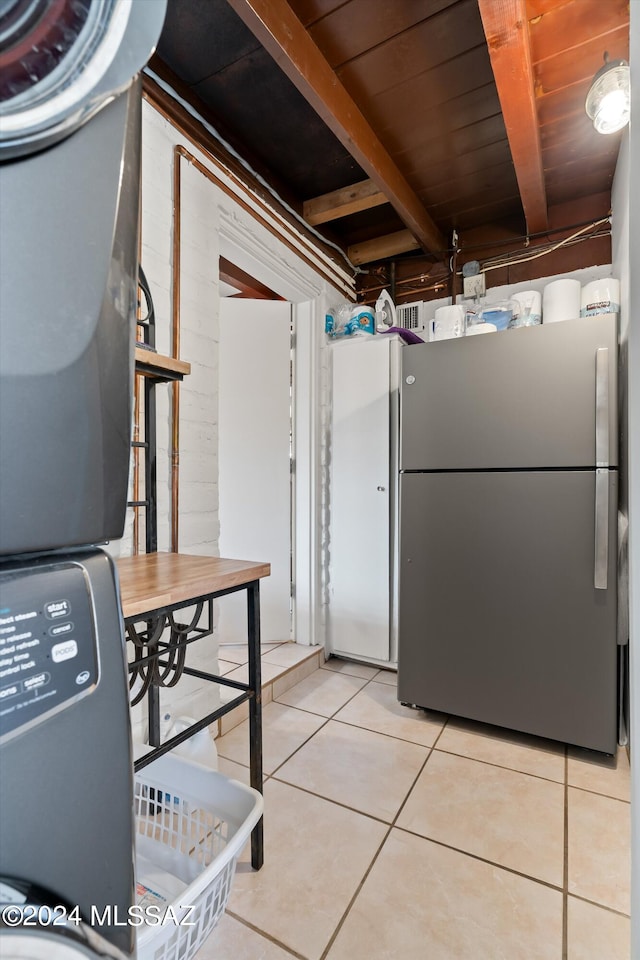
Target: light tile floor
pixel 392 833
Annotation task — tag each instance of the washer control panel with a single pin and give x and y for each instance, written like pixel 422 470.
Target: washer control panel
pixel 48 653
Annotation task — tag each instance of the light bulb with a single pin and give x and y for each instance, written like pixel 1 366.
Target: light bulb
pixel 613 112
pixel 608 100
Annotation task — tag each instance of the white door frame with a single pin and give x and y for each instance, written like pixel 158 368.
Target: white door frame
pixel 308 619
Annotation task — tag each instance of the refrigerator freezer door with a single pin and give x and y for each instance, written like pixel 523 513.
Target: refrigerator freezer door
pixel 500 620
pixel 525 398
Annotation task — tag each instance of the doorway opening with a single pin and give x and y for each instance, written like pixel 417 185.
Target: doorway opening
pixel 256 447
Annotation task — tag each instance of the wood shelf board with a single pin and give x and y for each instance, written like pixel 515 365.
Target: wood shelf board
pixel 151 364
pixel 151 581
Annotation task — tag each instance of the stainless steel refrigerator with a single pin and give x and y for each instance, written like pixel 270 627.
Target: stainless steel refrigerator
pixel 508 529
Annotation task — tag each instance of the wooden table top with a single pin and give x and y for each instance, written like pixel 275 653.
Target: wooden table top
pixel 150 581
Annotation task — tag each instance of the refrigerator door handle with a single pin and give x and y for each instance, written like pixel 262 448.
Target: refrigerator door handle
pixel 601 554
pixel 602 407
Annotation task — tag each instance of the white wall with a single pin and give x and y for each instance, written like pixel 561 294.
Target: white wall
pixel 199 521
pixel 504 292
pixel 214 224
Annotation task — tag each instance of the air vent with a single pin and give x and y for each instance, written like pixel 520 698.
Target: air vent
pixel 411 315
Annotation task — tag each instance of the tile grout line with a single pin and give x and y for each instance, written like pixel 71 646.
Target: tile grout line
pixel 384 840
pixel 434 746
pixel 464 756
pixel 490 863
pixel 343 673
pixel 337 803
pixel 381 733
pixel 563 890
pixel 341 921
pixel 468 853
pixel 565 861
pixel 597 793
pixel 333 717
pixel 389 826
pixel 429 839
pixel 309 713
pixel 602 906
pixel 353 899
pixel 288 668
pixel 441 843
pixel 342 705
pixel 265 685
pixel 267 936
pixel 303 744
pixel 501 766
pixel 431 750
pixel 321 727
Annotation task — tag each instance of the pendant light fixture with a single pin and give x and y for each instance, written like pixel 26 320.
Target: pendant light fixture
pixel 609 99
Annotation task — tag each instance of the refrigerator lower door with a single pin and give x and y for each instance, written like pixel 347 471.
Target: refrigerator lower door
pixel 499 618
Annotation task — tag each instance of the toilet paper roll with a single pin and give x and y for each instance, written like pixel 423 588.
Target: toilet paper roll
pixel 475 328
pixel 530 311
pixel 600 296
pixel 561 300
pixel 449 322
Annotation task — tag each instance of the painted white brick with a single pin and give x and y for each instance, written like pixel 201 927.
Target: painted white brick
pixel 212 224
pixel 198 498
pixel 199 465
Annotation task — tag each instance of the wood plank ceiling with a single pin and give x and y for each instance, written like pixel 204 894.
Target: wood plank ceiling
pixel 390 124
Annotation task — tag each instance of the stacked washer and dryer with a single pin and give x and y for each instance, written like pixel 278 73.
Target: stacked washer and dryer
pixel 70 111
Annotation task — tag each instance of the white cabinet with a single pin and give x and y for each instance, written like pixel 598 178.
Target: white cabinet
pixel 362 499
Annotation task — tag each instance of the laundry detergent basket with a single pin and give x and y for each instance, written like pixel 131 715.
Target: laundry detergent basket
pixel 191 825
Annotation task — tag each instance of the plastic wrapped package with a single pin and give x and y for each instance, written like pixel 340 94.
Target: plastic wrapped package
pixel 348 320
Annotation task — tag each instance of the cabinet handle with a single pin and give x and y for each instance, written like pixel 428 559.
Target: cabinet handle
pixel 381 489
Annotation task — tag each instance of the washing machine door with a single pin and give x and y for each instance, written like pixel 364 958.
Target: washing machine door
pixel 77 942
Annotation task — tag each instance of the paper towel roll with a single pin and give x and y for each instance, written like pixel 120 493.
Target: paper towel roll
pixel 475 328
pixel 600 296
pixel 530 311
pixel 561 300
pixel 449 322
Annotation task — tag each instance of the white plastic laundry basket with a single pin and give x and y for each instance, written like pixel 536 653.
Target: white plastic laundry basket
pixel 191 825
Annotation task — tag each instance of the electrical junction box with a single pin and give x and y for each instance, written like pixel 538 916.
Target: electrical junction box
pixel 474 287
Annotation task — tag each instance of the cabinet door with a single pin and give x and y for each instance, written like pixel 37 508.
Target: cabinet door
pixel 359 500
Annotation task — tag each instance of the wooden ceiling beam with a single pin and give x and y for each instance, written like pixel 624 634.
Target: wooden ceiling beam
pixel 382 247
pixel 507 31
pixel 342 203
pixel 275 25
pixel 246 285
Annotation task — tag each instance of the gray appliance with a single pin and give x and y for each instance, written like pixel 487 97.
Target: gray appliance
pixel 508 529
pixel 66 831
pixel 70 111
